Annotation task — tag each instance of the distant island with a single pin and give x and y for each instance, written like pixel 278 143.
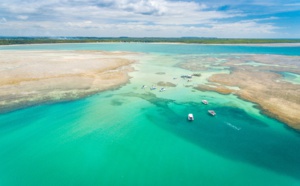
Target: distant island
pixel 196 40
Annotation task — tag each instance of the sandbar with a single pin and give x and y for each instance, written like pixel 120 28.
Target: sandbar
pixel 34 77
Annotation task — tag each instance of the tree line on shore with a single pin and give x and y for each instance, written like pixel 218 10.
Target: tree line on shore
pixel 197 40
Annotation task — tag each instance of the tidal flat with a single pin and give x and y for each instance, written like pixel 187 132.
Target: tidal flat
pixel 34 77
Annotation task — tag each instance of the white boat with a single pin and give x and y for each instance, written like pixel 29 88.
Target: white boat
pixel 162 89
pixel 205 102
pixel 212 112
pixel 144 86
pixel 153 88
pixel 190 117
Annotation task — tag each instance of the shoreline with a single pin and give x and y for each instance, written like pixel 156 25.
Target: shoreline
pixel 14 108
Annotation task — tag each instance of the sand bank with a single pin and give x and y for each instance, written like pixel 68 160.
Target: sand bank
pixel 34 77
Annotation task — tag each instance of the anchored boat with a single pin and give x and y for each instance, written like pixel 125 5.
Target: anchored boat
pixel 212 112
pixel 205 102
pixel 162 89
pixel 190 117
pixel 152 87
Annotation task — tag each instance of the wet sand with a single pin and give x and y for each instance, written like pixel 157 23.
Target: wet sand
pixel 35 77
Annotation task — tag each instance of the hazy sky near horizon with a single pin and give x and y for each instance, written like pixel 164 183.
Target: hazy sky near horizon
pixel 151 18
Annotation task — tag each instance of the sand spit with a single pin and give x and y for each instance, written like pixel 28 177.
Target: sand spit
pixel 34 77
pixel 259 81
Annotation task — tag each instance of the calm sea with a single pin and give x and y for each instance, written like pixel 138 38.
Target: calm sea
pixel 133 136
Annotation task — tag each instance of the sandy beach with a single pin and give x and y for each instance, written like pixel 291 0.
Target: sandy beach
pixel 34 77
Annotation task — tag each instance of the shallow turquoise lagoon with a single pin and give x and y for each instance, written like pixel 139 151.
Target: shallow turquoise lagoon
pixel 134 136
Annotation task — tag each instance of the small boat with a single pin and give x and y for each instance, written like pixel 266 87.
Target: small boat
pixel 205 102
pixel 213 113
pixel 190 117
pixel 153 88
pixel 162 89
pixel 144 86
pixel 186 76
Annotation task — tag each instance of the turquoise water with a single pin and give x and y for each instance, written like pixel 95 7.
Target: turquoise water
pixel 163 48
pixel 291 77
pixel 134 136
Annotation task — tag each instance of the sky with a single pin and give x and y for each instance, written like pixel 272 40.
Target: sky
pixel 151 18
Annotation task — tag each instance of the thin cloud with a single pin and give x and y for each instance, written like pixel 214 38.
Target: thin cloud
pixel 292 4
pixel 22 17
pixel 3 20
pixel 143 18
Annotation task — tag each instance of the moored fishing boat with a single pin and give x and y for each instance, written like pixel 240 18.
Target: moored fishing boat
pixel 212 112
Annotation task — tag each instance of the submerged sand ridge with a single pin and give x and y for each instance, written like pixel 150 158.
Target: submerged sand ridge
pixel 33 77
pixel 259 80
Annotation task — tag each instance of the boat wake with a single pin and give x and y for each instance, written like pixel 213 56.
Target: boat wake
pixel 233 126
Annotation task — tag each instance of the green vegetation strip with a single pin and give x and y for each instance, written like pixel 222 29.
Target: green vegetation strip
pixel 40 40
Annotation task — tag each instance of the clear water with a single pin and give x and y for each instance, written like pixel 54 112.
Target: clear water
pixel 291 77
pixel 134 136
